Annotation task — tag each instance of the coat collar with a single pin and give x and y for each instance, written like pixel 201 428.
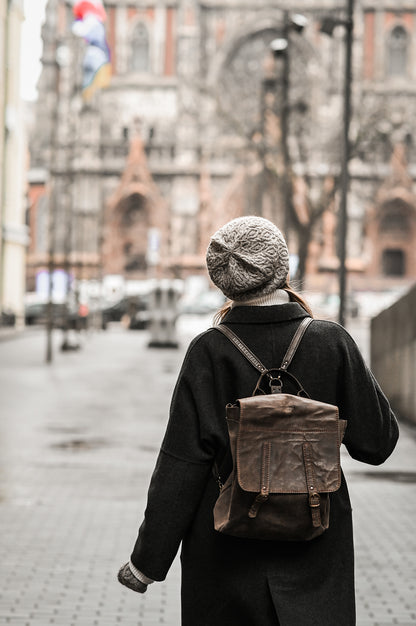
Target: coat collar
pixel 265 314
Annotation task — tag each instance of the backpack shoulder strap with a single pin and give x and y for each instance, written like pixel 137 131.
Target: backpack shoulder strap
pixel 240 345
pixel 297 338
pixel 248 354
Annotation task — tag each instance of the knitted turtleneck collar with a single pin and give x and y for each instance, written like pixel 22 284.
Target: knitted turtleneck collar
pixel 280 296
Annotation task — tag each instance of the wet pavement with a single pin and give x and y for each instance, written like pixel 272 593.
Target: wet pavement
pixel 78 441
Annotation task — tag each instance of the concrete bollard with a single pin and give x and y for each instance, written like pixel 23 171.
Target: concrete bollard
pixel 163 311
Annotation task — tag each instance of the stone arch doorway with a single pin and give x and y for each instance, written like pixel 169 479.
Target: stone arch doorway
pixel 392 231
pixel 128 223
pixel 133 225
pixel 392 224
pixel 136 222
pixel 395 241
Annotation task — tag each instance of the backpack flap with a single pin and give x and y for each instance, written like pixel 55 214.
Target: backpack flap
pixel 285 443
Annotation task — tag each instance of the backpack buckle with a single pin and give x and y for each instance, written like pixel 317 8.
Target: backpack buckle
pixel 314 500
pixel 276 384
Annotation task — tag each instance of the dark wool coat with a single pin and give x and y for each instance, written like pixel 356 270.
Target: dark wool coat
pixel 238 582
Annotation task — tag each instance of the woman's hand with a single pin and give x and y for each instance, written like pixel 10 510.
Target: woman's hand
pixel 128 579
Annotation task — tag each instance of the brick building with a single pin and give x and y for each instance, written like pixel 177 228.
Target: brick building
pixel 189 135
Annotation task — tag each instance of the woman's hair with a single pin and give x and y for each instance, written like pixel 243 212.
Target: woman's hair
pixel 293 297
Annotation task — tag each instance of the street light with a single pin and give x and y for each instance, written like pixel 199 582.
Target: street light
pixel 58 57
pixel 61 60
pixel 298 22
pixel 328 25
pixel 280 48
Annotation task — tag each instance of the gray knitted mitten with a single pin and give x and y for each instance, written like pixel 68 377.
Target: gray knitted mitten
pixel 125 577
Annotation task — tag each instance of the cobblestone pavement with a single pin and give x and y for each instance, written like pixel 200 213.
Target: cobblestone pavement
pixel 78 440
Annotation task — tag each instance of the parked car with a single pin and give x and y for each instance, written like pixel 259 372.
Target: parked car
pixel 7 318
pixel 114 312
pixel 134 310
pixel 37 313
pixel 140 319
pixel 75 318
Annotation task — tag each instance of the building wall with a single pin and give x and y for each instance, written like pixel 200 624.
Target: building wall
pixel 3 78
pixel 188 78
pixel 388 79
pixel 14 235
pixel 393 354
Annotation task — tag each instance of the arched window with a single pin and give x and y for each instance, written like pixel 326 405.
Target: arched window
pixel 133 229
pixel 393 262
pixel 139 49
pixel 397 52
pixel 395 223
pixel 133 210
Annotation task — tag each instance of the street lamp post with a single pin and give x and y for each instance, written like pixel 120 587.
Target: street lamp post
pixel 66 56
pixel 52 203
pixel 280 48
pixel 327 27
pixel 61 60
pixel 345 159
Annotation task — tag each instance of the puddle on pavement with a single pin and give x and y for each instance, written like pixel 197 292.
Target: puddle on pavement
pixel 396 477
pixel 80 444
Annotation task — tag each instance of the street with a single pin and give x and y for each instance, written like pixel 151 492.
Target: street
pixel 79 439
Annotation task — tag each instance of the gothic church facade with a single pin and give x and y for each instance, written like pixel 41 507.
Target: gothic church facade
pixel 189 135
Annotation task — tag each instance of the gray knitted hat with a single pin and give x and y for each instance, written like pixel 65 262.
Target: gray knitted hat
pixel 248 257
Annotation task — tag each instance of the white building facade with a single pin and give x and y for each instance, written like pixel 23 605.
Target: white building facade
pixel 13 168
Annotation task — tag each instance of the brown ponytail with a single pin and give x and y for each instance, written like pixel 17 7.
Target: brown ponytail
pixel 293 297
pixel 222 312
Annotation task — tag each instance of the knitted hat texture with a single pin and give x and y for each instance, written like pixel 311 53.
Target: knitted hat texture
pixel 248 257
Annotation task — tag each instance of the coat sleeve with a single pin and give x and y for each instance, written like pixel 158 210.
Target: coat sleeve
pixel 372 430
pixel 183 467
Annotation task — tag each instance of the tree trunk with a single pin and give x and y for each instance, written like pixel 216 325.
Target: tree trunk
pixel 304 237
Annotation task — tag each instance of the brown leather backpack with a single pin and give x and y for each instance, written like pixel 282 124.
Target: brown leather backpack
pixel 286 458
